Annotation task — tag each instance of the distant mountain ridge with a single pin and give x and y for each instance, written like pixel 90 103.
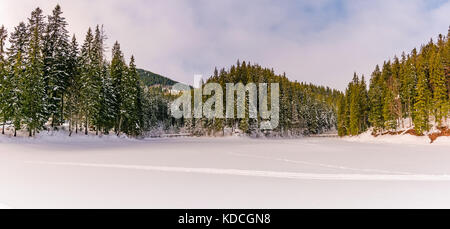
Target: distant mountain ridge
pixel 151 79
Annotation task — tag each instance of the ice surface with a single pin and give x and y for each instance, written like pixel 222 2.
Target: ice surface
pixel 110 172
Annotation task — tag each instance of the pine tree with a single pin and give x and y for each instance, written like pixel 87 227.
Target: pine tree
pixel 32 87
pixel 90 88
pixel 364 105
pixel 355 108
pixel 56 44
pixel 3 77
pixel 408 82
pixel 440 94
pixel 376 100
pixel 389 95
pixel 421 107
pixel 17 56
pixel 73 104
pixel 446 57
pixel 117 71
pixel 37 22
pixel 130 107
pixel 101 119
pixel 342 127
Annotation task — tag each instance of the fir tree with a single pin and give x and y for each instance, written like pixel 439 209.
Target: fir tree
pixel 32 87
pixel 73 96
pixel 421 107
pixel 17 56
pixel 117 71
pixel 101 119
pixel 37 22
pixel 90 87
pixel 376 100
pixel 364 105
pixel 131 106
pixel 440 94
pixel 342 127
pixel 55 64
pixel 408 81
pixel 3 77
pixel 106 116
pixel 355 108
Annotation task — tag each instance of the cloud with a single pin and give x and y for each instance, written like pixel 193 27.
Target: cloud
pixel 322 42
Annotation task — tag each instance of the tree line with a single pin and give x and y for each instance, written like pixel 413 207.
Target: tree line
pixel 305 109
pixel 412 91
pixel 48 80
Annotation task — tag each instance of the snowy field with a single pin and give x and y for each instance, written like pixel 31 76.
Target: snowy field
pixel 87 172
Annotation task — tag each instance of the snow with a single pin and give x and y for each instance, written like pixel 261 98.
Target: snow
pixel 398 139
pixel 4 206
pixel 236 172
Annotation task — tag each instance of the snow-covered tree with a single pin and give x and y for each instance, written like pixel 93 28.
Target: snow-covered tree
pixel 73 92
pixel 32 88
pixel 117 72
pixel 3 77
pixel 17 57
pixel 131 107
pixel 56 55
pixel 90 82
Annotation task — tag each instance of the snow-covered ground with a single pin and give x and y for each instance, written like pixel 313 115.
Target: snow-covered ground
pixel 403 139
pixel 108 172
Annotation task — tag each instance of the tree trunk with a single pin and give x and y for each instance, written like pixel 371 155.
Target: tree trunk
pixel 70 127
pixel 62 110
pixel 120 126
pixel 15 132
pixel 3 129
pixel 86 127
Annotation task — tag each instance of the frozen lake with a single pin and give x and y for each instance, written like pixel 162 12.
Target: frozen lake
pixel 222 173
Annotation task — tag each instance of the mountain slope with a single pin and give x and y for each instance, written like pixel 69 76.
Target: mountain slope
pixel 150 79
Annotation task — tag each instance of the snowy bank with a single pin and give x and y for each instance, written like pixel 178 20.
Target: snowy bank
pixel 367 137
pixel 62 136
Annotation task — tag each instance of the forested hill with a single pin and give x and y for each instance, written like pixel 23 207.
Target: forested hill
pixel 150 79
pixel 304 108
pixel 410 92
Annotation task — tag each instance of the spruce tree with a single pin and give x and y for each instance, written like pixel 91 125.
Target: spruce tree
pixel 89 91
pixel 101 118
pixel 355 108
pixel 56 52
pixel 364 105
pixel 135 97
pixel 32 87
pixel 389 95
pixel 440 94
pixel 17 56
pixel 408 82
pixel 446 57
pixel 342 128
pixel 128 108
pixel 422 105
pixel 3 77
pixel 37 22
pixel 117 72
pixel 376 100
pixel 73 96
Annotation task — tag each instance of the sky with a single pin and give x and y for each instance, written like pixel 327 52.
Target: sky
pixel 316 41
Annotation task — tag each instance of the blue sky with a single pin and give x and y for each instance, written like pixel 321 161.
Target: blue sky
pixel 322 41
